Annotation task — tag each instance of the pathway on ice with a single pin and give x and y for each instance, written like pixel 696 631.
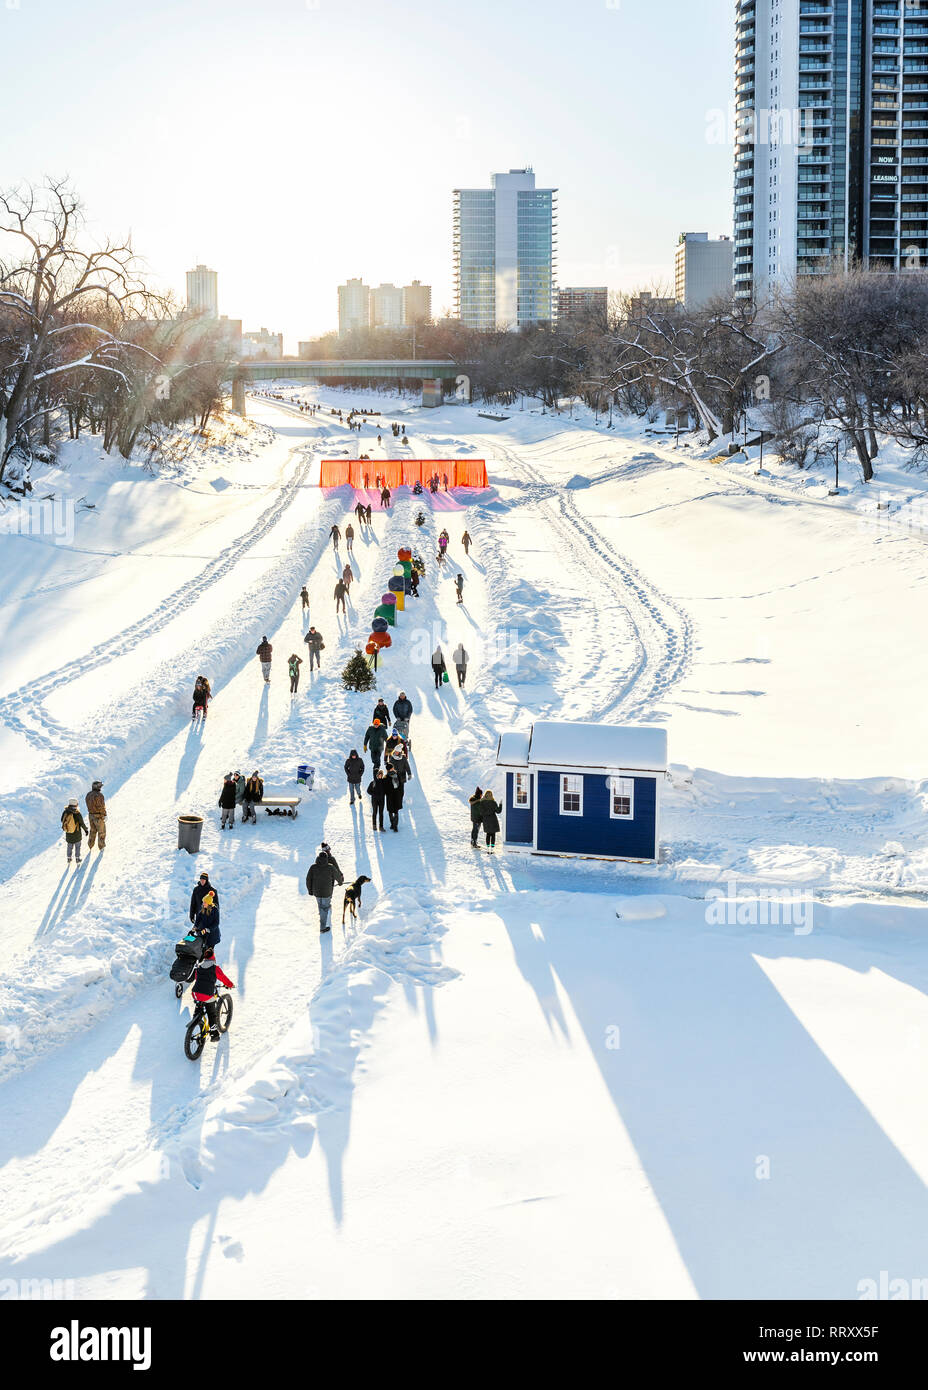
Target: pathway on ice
pixel 133 1057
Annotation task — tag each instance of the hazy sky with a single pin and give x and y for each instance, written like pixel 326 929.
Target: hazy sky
pixel 290 144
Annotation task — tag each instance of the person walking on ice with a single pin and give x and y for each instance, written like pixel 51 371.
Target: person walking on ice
pixel 320 884
pixel 72 823
pixel 491 810
pixel 374 740
pixel 336 535
pixel 467 541
pixel 96 814
pixel 304 598
pixel 349 537
pixel 394 796
pixel 347 577
pixel 402 713
pixel 264 653
pixel 314 642
pixel 385 497
pixel 294 663
pixel 459 585
pixel 476 816
pixel 460 658
pixel 439 669
pixel 377 791
pixel 341 593
pixel 202 887
pixel 354 771
pixel 201 697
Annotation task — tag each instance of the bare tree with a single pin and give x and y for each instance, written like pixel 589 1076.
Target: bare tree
pixel 51 293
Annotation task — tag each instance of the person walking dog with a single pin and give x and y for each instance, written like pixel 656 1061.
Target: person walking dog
pixel 320 884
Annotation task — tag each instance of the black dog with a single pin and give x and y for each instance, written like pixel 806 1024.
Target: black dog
pixel 352 899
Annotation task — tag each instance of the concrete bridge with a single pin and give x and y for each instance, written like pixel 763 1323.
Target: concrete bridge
pixel 431 372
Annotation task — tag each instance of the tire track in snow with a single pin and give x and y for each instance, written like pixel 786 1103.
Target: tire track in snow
pixel 663 628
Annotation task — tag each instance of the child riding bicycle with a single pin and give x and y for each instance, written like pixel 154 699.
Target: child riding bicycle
pixel 204 989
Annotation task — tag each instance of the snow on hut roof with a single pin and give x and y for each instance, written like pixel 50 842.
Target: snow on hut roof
pixel 629 746
pixel 513 748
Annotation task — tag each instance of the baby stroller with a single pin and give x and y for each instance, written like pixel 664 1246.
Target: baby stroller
pixel 187 954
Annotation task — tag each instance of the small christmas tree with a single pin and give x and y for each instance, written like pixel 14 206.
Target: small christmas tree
pixel 357 675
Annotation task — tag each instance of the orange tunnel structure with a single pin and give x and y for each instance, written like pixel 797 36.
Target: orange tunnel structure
pixel 363 473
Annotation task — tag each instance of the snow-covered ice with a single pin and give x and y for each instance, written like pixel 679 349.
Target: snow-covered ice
pixel 511 1078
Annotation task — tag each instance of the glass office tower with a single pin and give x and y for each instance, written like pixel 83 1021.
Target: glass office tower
pixel 504 252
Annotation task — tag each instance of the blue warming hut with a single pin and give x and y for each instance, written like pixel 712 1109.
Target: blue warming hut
pixel 590 790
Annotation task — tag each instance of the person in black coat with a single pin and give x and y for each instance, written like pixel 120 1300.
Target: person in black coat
pixel 320 884
pixel 491 810
pixel 200 891
pixel 402 713
pixel 377 791
pixel 394 797
pixel 354 771
pixel 227 802
pixel 206 924
pixel 399 765
pixel 439 669
pixel 382 713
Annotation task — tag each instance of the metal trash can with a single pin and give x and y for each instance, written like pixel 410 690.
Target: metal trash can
pixel 189 830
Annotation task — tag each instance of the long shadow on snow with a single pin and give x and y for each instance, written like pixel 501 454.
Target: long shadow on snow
pixel 841 1204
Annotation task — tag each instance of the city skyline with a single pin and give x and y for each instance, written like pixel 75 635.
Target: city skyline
pixel 631 169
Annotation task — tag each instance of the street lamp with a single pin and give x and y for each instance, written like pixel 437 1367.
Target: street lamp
pixel 833 492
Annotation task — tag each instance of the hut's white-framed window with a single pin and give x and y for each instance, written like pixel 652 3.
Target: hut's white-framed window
pixel 571 795
pixel 522 791
pixel 621 798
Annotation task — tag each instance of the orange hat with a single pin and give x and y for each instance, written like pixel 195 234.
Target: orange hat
pixel 376 723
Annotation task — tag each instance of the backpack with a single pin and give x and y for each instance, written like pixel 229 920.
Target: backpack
pixel 70 823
